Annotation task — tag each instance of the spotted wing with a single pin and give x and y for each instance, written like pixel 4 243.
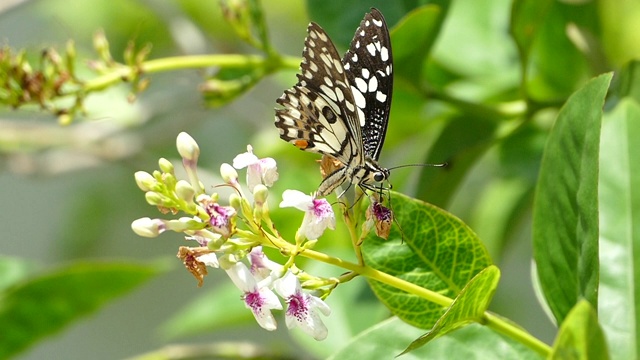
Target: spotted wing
pixel 369 68
pixel 319 113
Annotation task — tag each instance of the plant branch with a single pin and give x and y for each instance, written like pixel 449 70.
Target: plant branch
pixel 494 322
pixel 189 62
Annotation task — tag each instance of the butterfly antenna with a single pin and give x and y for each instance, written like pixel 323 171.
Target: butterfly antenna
pixel 421 165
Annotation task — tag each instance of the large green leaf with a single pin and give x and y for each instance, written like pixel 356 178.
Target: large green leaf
pixel 467 308
pixel 620 36
pixel 474 342
pixel 545 31
pixel 525 23
pixel 430 248
pixel 462 142
pixel 412 39
pixel 565 229
pixel 580 336
pixel 619 201
pixel 44 305
pixel 341 18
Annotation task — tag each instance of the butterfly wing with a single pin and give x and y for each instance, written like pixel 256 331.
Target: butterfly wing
pixel 319 113
pixel 369 69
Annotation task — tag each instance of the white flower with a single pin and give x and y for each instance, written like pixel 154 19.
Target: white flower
pixel 259 171
pixel 148 227
pixel 260 299
pixel 209 259
pixel 302 308
pixel 261 266
pixel 318 213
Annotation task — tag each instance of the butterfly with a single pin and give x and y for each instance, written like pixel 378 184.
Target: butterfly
pixel 340 107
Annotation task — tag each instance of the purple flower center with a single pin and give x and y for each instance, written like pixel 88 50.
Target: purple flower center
pixel 220 215
pixel 298 306
pixel 321 208
pixel 254 300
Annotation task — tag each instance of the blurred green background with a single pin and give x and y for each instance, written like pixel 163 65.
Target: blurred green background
pixel 69 194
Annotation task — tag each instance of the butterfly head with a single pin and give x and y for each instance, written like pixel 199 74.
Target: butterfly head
pixel 374 175
pixel 381 175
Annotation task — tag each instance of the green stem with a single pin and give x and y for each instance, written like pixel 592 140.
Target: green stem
pixel 492 321
pixel 117 75
pixel 518 334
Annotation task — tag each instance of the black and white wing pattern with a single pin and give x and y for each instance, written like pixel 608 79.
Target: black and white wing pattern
pixel 369 68
pixel 340 107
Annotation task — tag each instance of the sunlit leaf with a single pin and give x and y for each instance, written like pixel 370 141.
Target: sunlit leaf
pixel 580 336
pixel 430 248
pixel 565 229
pixel 620 36
pixel 467 308
pixel 619 201
pixel 474 342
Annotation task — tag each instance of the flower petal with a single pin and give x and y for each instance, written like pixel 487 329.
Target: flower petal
pixel 242 278
pixel 269 171
pixel 254 176
pixel 209 259
pixel 288 285
pixel 296 199
pixel 261 302
pixel 245 159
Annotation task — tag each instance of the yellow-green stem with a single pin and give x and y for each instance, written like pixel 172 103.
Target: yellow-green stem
pixel 494 322
pixel 186 62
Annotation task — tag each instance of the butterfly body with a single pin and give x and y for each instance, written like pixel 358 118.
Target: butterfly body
pixel 340 107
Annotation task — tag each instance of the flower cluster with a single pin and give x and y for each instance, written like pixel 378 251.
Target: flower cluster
pixel 231 236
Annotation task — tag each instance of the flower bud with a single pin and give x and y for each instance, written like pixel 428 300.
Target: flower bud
pixel 235 201
pixel 71 57
pixel 165 165
pixel 229 174
pixel 185 191
pixel 148 227
pixel 187 147
pixel 153 198
pixel 260 194
pixel 101 45
pixel 144 180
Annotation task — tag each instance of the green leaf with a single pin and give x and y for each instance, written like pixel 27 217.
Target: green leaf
pixel 341 18
pixel 229 84
pixel 580 336
pixel 462 142
pixel 474 342
pixel 565 214
pixel 44 305
pixel 627 82
pixel 412 39
pixel 619 201
pixel 12 270
pixel 427 247
pixel 554 61
pixel 214 310
pixel 620 36
pixel 467 308
pixel 525 24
